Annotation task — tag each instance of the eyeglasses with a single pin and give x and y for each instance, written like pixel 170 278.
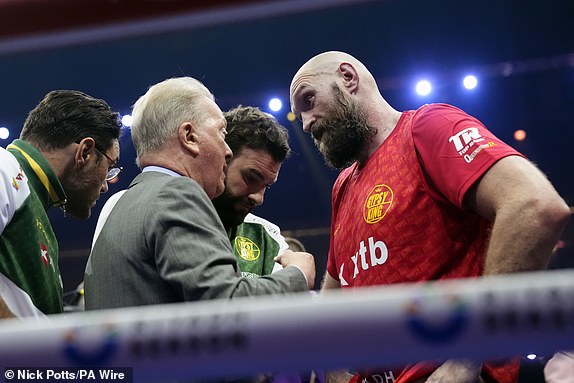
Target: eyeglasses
pixel 113 171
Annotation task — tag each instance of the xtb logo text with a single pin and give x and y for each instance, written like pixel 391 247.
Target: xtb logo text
pixel 378 255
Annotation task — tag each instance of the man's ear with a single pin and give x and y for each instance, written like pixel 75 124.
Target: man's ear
pixel 350 77
pixel 85 149
pixel 188 137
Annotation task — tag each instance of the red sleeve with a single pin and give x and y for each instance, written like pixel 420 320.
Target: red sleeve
pixel 455 149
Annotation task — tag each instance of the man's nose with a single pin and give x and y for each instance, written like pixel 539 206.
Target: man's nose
pixel 104 187
pixel 308 122
pixel 228 153
pixel 258 197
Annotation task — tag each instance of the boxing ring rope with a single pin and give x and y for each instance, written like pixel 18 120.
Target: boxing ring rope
pixel 482 318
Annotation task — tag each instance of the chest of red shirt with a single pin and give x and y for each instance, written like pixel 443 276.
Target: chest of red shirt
pixel 386 226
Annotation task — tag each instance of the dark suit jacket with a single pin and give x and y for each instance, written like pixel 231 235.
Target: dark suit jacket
pixel 164 242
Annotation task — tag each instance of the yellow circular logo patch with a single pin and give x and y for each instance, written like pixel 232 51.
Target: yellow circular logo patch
pixel 247 249
pixel 377 203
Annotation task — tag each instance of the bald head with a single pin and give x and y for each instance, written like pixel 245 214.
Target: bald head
pixel 328 62
pixel 339 104
pixel 327 65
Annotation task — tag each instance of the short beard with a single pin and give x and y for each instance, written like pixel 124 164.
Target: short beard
pixel 345 133
pixel 225 206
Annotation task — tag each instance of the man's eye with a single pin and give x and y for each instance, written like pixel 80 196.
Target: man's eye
pixel 308 99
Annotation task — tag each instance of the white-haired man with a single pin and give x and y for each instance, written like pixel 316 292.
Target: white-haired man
pixel 163 241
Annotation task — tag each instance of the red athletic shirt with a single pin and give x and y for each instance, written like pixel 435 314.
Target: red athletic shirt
pixel 399 217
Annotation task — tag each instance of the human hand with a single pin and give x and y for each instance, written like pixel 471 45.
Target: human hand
pixel 302 260
pixel 338 376
pixel 456 371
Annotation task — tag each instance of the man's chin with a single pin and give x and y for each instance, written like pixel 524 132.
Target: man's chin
pixel 240 215
pixel 232 221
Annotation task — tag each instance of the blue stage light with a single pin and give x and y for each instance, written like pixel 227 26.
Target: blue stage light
pixel 275 104
pixel 4 133
pixel 127 120
pixel 470 81
pixel 423 87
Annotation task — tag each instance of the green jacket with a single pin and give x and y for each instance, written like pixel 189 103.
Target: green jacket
pixel 28 247
pixel 255 243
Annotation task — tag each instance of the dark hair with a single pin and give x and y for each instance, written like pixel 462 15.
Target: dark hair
pixel 247 126
pixel 67 116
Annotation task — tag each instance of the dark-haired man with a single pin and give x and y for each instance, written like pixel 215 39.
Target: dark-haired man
pixel 260 145
pixel 67 151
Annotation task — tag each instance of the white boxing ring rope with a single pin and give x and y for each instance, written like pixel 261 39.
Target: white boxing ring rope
pixel 482 318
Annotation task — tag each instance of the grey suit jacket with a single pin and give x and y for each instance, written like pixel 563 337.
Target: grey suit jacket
pixel 164 242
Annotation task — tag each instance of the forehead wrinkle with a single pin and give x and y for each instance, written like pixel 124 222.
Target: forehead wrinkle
pixel 306 79
pixel 259 163
pixel 266 171
pixel 299 89
pixel 297 85
pixel 310 73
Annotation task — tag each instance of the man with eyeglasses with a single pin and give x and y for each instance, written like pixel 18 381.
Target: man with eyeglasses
pixel 66 154
pixel 113 170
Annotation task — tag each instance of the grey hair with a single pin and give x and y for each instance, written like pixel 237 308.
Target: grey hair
pixel 157 115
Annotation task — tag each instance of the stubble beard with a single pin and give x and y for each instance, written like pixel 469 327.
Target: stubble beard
pixel 225 206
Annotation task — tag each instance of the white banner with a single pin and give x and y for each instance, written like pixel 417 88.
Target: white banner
pixel 480 318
